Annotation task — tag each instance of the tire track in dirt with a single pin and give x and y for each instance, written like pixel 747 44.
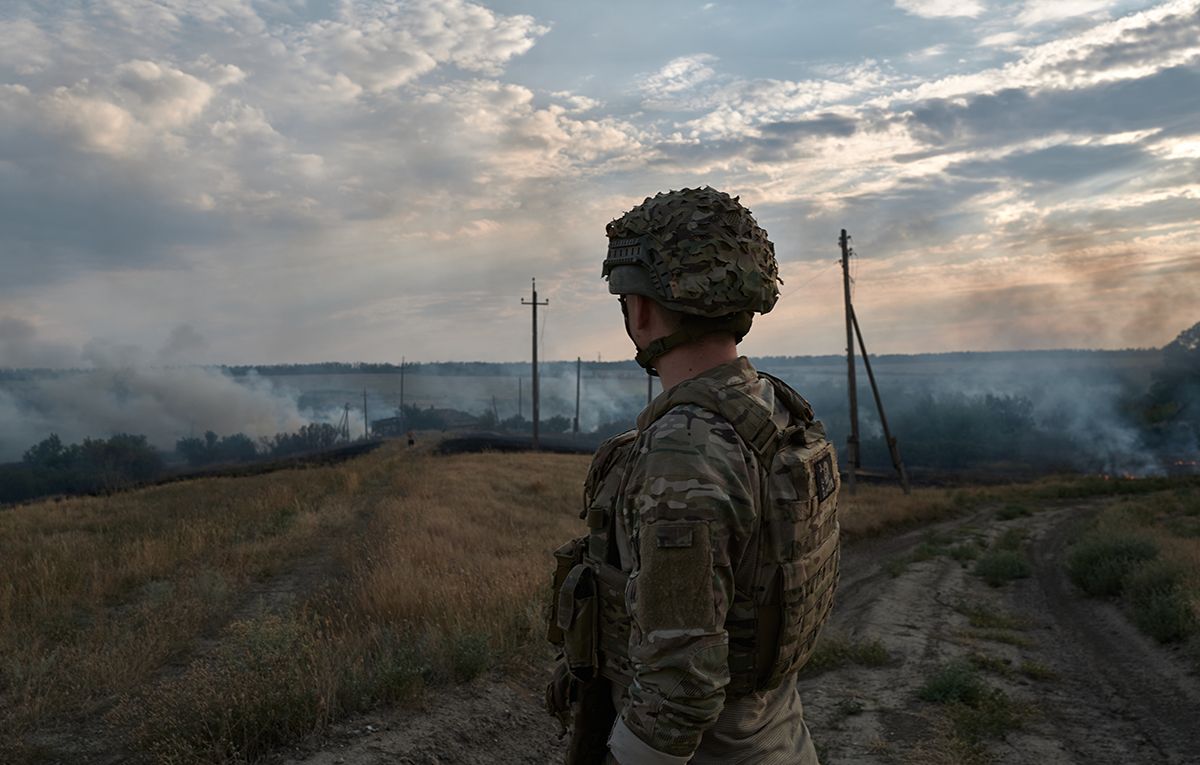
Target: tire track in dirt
pixel 1108 668
pixel 1107 694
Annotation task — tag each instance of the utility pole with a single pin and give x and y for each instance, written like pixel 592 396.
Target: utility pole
pixel 534 303
pixel 520 396
pixel 402 393
pixel 366 422
pixel 853 331
pixel 578 378
pixel 852 442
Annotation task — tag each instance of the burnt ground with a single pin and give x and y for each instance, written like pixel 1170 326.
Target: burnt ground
pixel 1085 684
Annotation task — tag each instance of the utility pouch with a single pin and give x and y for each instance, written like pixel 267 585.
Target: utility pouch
pixel 576 618
pixel 566 558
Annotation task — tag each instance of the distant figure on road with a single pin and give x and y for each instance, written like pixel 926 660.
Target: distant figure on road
pixel 711 554
pixel 411 441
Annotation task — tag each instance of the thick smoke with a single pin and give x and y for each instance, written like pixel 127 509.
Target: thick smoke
pixel 120 394
pixel 164 404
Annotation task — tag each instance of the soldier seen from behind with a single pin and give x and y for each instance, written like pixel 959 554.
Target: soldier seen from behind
pixel 711 553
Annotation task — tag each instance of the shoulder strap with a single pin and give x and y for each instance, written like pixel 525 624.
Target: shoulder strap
pixel 751 421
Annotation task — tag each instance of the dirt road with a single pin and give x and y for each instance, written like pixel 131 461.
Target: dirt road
pixel 1076 682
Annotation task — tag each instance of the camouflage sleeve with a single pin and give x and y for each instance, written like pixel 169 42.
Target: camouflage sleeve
pixel 690 502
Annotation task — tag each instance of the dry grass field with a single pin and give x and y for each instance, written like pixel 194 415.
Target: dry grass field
pixel 214 620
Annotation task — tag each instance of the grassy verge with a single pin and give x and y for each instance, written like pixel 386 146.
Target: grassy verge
pixel 1145 551
pixel 216 619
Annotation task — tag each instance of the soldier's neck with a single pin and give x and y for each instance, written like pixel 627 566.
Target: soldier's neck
pixel 694 358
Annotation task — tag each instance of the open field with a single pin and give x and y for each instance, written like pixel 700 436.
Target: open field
pixel 225 619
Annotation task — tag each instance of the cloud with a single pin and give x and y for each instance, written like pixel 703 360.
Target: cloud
pixel 678 76
pixel 382 46
pixel 933 9
pixel 1042 11
pixel 1147 42
pixel 361 180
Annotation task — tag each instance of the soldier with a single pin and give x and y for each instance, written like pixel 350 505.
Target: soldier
pixel 711 555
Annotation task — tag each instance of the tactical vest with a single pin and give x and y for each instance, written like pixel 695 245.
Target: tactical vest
pixel 785 581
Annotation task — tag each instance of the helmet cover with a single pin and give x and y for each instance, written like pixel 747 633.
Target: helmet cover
pixel 697 251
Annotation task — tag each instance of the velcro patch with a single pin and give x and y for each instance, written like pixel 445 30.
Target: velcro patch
pixel 674 588
pixel 673 534
pixel 826 482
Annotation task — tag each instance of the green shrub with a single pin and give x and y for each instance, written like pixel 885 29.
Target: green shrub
pixel 834 651
pixel 965 551
pixel 954 682
pixel 1156 596
pixel 1011 511
pixel 999 566
pixel 470 655
pixel 1099 565
pixel 977 710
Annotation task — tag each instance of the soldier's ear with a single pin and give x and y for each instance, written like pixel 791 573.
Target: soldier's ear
pixel 641 312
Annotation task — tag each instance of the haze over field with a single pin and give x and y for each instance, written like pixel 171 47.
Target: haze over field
pixel 296 181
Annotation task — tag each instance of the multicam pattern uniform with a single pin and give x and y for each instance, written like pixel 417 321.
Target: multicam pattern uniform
pixel 686 493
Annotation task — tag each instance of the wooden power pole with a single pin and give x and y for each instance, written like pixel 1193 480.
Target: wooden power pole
pixel 534 303
pixel 853 332
pixel 366 422
pixel 578 378
pixel 852 441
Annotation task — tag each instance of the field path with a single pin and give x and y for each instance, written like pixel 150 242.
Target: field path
pixel 1093 689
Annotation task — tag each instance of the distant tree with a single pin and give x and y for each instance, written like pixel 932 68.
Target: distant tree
pixel 556 424
pixel 416 418
pixel 47 453
pixel 213 449
pixel 487 420
pixel 193 450
pixel 516 423
pixel 312 437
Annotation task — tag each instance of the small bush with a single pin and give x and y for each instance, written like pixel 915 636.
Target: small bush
pixel 953 682
pixel 994 664
pixel 977 710
pixel 965 551
pixel 1011 539
pixel 989 617
pixel 1011 511
pixel 991 717
pixel 1000 566
pixel 1100 565
pixel 1159 604
pixel 1035 670
pixel 834 651
pixel 470 655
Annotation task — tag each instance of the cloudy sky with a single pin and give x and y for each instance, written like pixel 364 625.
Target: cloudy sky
pixel 280 180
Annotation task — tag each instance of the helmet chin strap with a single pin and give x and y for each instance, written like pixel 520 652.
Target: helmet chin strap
pixel 737 324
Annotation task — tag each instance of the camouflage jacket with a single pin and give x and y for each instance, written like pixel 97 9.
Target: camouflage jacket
pixel 687 489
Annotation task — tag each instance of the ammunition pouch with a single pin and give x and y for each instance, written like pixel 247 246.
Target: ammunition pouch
pixel 576 618
pixel 566 558
pixel 574 607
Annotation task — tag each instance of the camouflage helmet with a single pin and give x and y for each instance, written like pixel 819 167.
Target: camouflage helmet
pixel 696 251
